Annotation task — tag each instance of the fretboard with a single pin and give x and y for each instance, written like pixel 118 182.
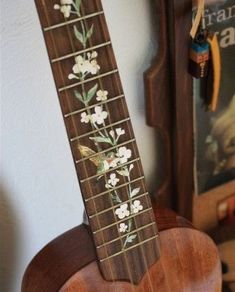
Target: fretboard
pixel 101 137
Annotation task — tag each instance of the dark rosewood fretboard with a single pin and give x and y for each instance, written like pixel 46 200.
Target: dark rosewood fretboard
pixel 101 137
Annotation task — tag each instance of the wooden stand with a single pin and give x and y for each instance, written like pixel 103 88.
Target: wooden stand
pixel 170 104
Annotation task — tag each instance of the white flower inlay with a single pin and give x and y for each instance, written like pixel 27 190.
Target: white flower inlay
pixel 123 227
pixel 124 154
pixel 136 207
pixel 85 118
pixel 81 66
pixel 102 95
pixel 99 116
pixel 123 211
pixel 94 67
pixel 116 134
pixel 131 167
pixel 65 7
pixel 92 55
pixel 85 66
pixel 113 180
pixel 120 131
pixel 72 76
pixel 106 165
pixel 112 134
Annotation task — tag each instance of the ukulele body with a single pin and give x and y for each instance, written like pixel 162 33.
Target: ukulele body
pixel 189 262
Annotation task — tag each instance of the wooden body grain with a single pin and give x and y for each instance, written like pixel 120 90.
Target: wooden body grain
pixel 189 262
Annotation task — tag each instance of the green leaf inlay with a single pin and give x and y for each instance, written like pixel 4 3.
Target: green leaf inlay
pixel 79 36
pixel 91 93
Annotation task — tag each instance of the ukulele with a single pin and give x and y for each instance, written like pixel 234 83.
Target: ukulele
pixel 121 249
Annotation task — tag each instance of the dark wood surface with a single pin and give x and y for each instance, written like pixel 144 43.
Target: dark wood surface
pixel 169 97
pixel 189 262
pixel 181 16
pixel 159 104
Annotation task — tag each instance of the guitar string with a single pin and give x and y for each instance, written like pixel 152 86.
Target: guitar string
pixel 118 82
pixel 129 130
pixel 73 121
pixel 111 201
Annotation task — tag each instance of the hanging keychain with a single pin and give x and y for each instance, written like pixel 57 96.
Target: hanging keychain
pixel 199 55
pixel 199 51
pixel 204 58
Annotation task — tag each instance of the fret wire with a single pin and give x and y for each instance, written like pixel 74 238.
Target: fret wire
pixel 87 80
pixel 104 151
pixel 107 171
pixel 48 28
pixel 116 188
pixel 100 129
pixel 129 248
pixel 123 236
pixel 118 205
pixel 122 220
pixel 80 52
pixel 94 105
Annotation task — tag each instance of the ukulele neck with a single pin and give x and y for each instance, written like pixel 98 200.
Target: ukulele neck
pixel 101 137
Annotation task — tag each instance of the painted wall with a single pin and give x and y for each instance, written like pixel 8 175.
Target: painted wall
pixel 40 197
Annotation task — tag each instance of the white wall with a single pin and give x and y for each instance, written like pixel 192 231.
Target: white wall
pixel 40 196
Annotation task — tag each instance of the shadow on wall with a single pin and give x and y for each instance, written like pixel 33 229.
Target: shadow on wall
pixel 9 235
